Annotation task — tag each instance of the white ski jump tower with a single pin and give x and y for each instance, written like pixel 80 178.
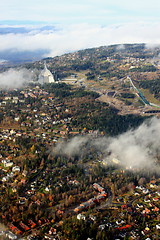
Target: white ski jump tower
pixel 46 75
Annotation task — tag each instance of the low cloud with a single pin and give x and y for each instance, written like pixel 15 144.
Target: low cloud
pixel 135 149
pixel 139 147
pixel 70 38
pixel 72 147
pixel 15 78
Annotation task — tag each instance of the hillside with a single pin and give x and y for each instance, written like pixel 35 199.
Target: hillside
pixel 80 159
pixel 106 70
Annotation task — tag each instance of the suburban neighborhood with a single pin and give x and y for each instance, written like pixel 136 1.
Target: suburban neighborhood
pixel 57 178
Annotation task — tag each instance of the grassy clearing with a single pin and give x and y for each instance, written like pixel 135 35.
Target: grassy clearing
pixel 150 97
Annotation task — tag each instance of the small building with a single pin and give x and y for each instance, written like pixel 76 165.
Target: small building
pixel 81 217
pixel 7 163
pixel 16 169
pixel 11 236
pixel 5 179
pixel 158 226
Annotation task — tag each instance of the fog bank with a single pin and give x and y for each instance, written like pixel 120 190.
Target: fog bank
pixel 15 78
pixel 135 149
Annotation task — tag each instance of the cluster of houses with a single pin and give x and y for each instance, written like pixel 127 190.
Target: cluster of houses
pixel 16 230
pixel 93 201
pixel 20 227
pixel 37 116
pixel 38 109
pixel 144 203
pixel 8 164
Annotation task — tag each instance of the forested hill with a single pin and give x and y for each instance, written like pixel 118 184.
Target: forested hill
pixel 88 58
pixel 110 64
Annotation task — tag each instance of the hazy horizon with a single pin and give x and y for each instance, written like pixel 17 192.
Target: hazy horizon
pixel 61 27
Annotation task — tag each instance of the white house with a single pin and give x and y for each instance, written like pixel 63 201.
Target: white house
pixel 16 169
pixel 7 163
pixel 81 217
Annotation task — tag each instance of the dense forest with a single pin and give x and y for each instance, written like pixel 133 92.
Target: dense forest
pixel 91 114
pixel 152 85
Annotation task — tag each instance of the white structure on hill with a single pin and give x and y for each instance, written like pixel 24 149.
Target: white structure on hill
pixel 46 76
